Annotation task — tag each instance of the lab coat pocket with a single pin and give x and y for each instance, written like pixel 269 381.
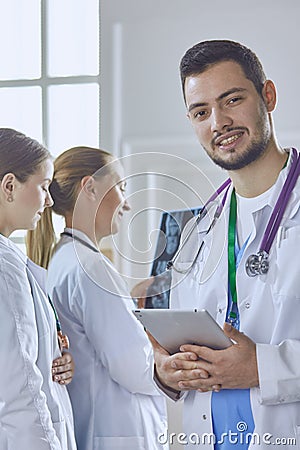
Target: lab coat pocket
pixel 119 443
pixel 61 432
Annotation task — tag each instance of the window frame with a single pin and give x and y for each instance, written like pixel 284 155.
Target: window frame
pixel 45 80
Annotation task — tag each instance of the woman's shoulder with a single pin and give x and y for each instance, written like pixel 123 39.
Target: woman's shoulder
pixel 101 271
pixel 13 271
pixel 10 256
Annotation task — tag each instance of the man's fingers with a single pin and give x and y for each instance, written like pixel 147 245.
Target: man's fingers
pixel 204 353
pixel 183 364
pixel 199 384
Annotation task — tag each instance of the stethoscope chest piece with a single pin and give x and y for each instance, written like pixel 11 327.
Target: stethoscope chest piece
pixel 257 264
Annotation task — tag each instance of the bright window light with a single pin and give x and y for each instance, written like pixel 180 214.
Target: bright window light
pixel 21 108
pixel 73 48
pixel 73 116
pixel 50 75
pixel 20 39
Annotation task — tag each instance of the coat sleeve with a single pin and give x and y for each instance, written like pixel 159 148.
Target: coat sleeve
pixel 118 338
pixel 25 421
pixel 279 372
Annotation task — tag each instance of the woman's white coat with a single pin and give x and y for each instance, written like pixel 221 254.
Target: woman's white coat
pixel 115 401
pixel 35 412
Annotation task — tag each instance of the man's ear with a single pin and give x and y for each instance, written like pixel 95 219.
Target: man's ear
pixel 269 95
pixel 88 186
pixel 8 185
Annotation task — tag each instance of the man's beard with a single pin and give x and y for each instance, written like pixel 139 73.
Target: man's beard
pixel 252 153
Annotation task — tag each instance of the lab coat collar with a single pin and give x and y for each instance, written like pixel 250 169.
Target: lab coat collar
pixel 38 272
pixel 277 186
pixel 8 243
pixel 271 202
pixel 81 235
pixel 281 180
pixel 294 202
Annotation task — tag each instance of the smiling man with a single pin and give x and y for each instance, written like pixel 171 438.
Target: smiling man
pixel 246 396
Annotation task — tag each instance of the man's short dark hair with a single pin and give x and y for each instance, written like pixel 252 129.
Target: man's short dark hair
pixel 201 56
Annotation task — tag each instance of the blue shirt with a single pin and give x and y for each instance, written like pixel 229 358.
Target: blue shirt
pixel 232 416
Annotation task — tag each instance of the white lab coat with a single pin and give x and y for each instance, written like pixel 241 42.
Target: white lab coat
pixel 35 412
pixel 116 403
pixel 269 307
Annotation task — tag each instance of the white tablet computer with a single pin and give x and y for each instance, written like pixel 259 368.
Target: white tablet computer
pixel 173 328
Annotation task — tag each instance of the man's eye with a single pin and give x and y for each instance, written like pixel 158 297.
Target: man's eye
pixel 199 114
pixel 234 100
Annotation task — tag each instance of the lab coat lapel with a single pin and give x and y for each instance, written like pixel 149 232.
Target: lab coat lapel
pixel 216 241
pixel 37 273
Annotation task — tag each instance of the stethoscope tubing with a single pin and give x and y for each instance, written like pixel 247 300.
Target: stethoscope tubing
pixel 272 226
pixel 281 204
pixel 201 215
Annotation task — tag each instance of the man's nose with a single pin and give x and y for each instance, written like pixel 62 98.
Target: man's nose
pixel 220 120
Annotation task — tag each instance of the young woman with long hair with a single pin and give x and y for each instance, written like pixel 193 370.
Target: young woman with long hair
pixel 35 410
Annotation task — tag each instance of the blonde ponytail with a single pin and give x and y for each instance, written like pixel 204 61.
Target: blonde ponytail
pixel 40 242
pixel 69 169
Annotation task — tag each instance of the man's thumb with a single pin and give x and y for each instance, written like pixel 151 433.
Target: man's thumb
pixel 232 332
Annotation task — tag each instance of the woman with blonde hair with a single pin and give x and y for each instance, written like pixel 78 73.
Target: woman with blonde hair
pixel 35 411
pixel 116 403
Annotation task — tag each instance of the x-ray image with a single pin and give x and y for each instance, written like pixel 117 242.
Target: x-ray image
pixel 171 226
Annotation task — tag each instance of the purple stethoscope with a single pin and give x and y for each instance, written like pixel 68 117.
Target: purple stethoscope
pixel 256 264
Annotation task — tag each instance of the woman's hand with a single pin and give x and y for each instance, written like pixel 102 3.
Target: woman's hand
pixel 139 291
pixel 63 369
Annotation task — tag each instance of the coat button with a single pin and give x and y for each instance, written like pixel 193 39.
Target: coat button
pixel 247 305
pixel 220 310
pixel 204 416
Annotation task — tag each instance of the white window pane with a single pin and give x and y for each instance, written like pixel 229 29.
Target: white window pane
pixel 20 41
pixel 73 116
pixel 73 37
pixel 21 109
